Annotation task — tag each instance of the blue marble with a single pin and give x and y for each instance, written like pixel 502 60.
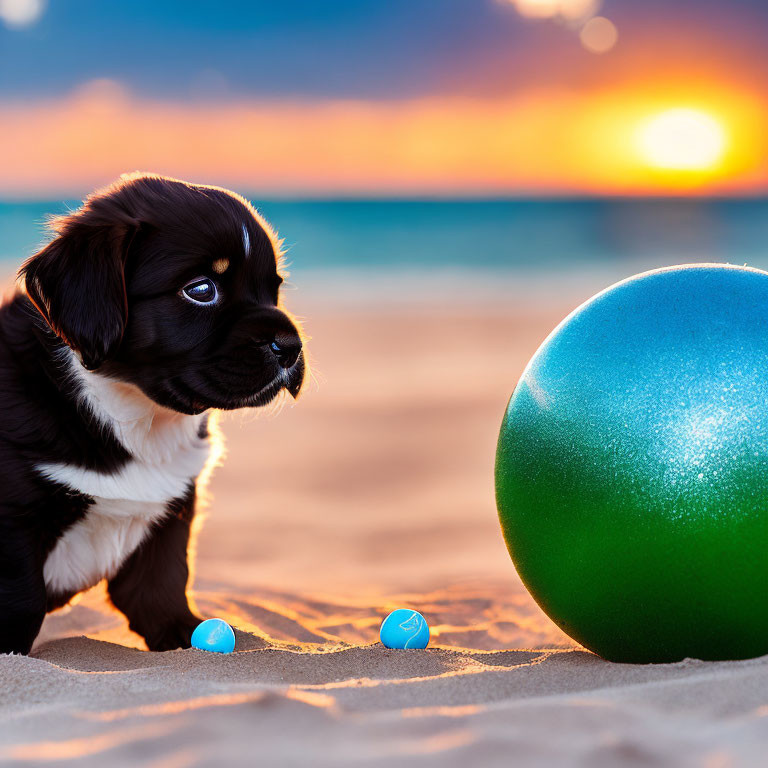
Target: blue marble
pixel 214 635
pixel 404 628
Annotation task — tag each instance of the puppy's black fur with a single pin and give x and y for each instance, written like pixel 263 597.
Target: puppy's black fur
pixel 109 287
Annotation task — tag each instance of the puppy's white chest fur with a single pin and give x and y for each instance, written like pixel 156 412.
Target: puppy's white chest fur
pixel 167 454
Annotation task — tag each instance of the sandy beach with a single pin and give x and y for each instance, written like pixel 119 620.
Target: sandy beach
pixel 374 491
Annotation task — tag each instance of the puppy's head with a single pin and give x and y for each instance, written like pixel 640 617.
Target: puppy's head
pixel 172 287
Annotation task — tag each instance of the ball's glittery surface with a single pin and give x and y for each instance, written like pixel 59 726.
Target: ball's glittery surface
pixel 404 628
pixel 214 635
pixel 632 468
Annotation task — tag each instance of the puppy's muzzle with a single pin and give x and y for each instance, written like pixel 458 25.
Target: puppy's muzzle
pixel 296 376
pixel 287 349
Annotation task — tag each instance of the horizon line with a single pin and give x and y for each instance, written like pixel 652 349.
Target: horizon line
pixel 468 197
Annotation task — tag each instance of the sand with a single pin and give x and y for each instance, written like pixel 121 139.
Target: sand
pixel 373 491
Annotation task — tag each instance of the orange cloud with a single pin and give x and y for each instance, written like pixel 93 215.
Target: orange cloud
pixel 539 142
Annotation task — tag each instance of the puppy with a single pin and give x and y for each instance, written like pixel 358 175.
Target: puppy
pixel 156 304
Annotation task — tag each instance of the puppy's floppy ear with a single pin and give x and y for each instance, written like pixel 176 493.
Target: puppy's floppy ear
pixel 77 282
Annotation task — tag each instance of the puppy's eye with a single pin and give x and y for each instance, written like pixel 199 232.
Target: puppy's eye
pixel 201 291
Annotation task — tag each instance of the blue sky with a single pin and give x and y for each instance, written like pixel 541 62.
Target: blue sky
pixel 357 48
pixel 360 97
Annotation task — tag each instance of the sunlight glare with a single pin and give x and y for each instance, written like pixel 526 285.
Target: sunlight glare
pixel 682 139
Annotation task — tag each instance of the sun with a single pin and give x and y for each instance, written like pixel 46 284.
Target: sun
pixel 682 139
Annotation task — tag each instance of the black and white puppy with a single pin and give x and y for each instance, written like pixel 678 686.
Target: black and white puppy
pixel 156 303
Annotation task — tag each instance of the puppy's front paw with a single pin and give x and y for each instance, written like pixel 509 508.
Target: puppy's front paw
pixel 175 634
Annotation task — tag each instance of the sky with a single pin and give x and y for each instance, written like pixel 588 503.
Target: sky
pixel 394 97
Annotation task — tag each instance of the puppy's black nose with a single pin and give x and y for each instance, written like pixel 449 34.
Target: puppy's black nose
pixel 286 351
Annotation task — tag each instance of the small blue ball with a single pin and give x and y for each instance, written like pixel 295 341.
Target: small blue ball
pixel 214 635
pixel 404 628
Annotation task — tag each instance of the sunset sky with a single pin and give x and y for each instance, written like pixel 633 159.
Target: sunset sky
pixel 393 97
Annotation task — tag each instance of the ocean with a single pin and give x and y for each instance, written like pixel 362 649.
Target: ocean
pixel 493 239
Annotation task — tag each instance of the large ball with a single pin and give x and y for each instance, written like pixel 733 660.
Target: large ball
pixel 632 468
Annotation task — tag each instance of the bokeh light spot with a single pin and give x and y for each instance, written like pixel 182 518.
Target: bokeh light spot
pixel 599 35
pixel 682 139
pixel 548 9
pixel 20 13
